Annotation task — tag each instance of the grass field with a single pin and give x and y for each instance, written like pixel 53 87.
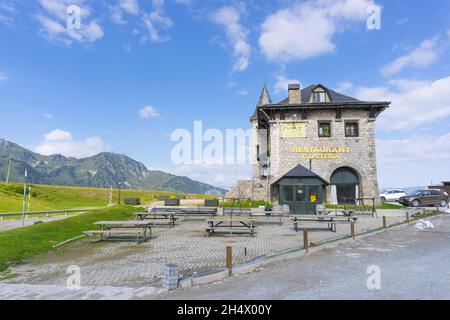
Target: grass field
pixel 383 206
pixel 21 244
pixel 44 197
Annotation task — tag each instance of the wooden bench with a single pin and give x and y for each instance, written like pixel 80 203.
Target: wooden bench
pixel 134 229
pixel 158 219
pixel 138 235
pixel 331 222
pixel 230 227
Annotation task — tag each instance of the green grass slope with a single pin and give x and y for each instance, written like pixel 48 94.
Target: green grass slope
pixel 18 245
pixel 44 197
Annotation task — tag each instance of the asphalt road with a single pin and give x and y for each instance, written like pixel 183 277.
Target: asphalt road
pixel 413 264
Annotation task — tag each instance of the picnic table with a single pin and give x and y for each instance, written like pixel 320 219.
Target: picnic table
pixel 157 218
pixel 230 226
pixel 112 230
pixel 330 220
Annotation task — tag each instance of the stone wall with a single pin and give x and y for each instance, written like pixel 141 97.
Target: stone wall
pixel 361 156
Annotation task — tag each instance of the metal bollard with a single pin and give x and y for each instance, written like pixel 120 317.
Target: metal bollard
pixel 305 240
pixel 170 277
pixel 384 222
pixel 229 262
pixel 407 217
pixel 352 230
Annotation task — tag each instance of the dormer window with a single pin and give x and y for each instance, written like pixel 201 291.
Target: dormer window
pixel 319 97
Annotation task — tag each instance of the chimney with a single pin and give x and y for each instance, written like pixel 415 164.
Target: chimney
pixel 294 93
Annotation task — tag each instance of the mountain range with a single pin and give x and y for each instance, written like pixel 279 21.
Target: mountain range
pixel 103 171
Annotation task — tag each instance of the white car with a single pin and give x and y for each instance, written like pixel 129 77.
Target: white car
pixel 392 195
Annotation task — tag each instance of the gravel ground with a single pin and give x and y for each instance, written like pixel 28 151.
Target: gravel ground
pixel 413 264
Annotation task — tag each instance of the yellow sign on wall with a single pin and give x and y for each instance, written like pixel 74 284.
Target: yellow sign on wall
pixel 321 152
pixel 293 130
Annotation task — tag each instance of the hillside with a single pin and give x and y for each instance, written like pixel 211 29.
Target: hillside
pixel 102 171
pixel 44 197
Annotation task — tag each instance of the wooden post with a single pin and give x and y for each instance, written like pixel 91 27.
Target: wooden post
pixel 352 229
pixel 305 240
pixel 230 260
pixel 384 222
pixel 407 217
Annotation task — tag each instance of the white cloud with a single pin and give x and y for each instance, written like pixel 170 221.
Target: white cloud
pixel 414 149
pixel 282 83
pixel 344 87
pixel 414 103
pixel 148 112
pixel 62 142
pixel 306 29
pixel 53 19
pixel 130 6
pixel 124 7
pixel 237 35
pixel 3 76
pixel 154 22
pixel 242 92
pixel 421 57
pixel 413 161
pixel 49 116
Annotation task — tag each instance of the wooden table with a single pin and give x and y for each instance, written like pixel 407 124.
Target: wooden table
pixel 330 220
pixel 170 217
pixel 133 228
pixel 230 226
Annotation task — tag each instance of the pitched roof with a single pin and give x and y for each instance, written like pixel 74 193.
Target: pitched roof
pixel 300 172
pixel 334 96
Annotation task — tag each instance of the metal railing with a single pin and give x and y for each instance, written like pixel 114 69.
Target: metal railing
pixel 15 214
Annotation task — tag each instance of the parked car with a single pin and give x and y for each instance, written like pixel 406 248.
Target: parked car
pixel 391 195
pixel 425 198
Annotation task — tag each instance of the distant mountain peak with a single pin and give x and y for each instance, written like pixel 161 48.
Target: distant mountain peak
pixel 103 170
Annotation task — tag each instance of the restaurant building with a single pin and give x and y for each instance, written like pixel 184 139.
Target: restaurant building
pixel 316 146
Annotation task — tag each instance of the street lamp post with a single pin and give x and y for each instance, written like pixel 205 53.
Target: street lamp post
pixel 120 183
pixel 24 197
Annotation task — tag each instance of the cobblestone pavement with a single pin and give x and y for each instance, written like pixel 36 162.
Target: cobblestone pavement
pixel 130 265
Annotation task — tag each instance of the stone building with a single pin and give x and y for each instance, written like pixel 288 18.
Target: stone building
pixel 314 131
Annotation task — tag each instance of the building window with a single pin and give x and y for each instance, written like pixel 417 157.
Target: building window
pixel 351 129
pixel 319 97
pixel 288 193
pixel 324 129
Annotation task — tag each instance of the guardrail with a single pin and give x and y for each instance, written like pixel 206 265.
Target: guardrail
pixel 14 214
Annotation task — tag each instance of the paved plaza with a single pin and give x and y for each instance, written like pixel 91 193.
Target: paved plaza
pixel 127 264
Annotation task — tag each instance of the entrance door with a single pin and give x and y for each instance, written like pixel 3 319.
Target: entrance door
pixel 346 194
pixel 301 199
pixel 347 182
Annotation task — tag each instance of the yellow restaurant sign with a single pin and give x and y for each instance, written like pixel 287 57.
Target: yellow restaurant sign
pixel 321 152
pixel 293 130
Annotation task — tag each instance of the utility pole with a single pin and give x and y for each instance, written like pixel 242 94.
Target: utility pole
pixel 119 192
pixel 110 196
pixel 29 199
pixel 9 171
pixel 24 197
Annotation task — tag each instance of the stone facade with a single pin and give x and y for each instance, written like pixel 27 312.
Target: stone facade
pixel 357 153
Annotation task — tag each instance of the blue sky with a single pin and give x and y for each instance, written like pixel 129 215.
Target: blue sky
pixel 137 70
